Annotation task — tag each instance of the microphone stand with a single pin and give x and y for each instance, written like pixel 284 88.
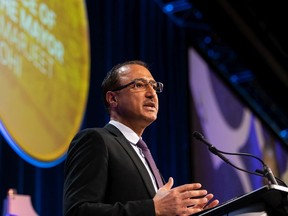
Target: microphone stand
pixel 266 172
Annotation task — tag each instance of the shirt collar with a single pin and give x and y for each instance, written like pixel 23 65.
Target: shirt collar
pixel 128 133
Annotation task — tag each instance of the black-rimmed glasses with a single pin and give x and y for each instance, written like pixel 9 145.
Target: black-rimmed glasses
pixel 142 84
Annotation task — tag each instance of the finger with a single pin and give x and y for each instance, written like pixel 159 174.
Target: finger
pixel 168 185
pixel 185 211
pixel 195 203
pixel 212 204
pixel 189 187
pixel 209 197
pixel 209 204
pixel 192 210
pixel 194 194
pixel 199 202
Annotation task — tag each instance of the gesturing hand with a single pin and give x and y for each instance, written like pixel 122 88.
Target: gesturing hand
pixel 182 200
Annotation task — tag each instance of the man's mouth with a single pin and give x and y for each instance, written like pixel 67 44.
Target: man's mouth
pixel 150 105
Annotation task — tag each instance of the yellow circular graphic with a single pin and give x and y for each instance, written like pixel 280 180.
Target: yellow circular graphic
pixel 44 75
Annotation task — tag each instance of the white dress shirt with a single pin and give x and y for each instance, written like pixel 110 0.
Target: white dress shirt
pixel 133 138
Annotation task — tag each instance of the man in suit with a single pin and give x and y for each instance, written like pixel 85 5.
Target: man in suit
pixel 106 172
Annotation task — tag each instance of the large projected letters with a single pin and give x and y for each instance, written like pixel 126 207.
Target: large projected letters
pixel 44 70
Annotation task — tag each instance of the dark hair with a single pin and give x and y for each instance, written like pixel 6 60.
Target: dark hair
pixel 111 81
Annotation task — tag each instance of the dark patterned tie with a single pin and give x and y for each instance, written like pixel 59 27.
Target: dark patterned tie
pixel 142 145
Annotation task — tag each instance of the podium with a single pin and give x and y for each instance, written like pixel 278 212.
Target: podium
pixel 269 200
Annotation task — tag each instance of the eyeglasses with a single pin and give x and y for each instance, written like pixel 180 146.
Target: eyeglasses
pixel 142 84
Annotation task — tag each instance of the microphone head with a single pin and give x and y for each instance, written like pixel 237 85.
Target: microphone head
pixel 197 135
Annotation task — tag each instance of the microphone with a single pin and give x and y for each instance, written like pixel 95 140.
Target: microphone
pixel 211 148
pixel 266 172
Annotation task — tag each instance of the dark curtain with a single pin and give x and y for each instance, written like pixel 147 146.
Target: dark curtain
pixel 119 31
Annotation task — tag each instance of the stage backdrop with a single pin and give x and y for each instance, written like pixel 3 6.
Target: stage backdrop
pixel 118 31
pixel 231 127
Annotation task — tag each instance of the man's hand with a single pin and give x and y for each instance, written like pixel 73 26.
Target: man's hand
pixel 182 200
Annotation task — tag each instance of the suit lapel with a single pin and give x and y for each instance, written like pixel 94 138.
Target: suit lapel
pixel 134 157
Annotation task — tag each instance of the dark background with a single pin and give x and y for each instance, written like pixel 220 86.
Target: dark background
pixel 144 29
pixel 249 50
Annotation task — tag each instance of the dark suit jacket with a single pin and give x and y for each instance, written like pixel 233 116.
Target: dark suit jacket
pixel 105 176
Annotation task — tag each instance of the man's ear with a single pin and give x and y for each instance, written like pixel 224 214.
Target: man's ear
pixel 111 99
